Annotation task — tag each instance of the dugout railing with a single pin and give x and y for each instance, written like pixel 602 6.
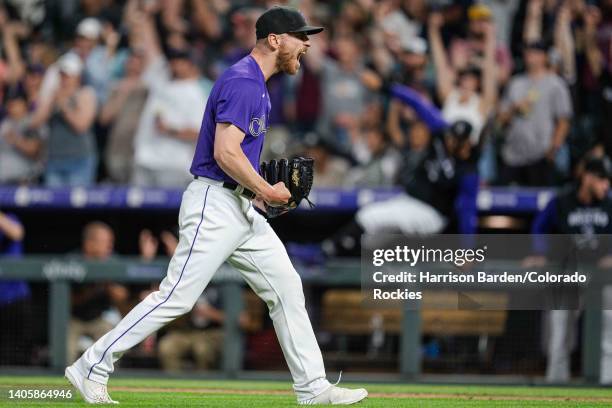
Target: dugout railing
pixel 60 272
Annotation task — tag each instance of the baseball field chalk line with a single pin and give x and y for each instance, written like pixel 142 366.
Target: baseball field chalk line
pixel 405 395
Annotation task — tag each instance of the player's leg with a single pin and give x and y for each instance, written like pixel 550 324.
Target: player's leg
pixel 606 337
pixel 211 226
pixel 403 213
pixel 268 270
pixel 559 345
pixel 265 265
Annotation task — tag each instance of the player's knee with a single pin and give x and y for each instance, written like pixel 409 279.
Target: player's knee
pixel 184 308
pixel 292 290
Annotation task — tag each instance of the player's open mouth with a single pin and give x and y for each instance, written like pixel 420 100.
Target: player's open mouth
pixel 300 55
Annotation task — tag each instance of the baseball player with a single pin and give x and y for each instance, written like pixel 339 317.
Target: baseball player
pixel 583 210
pixel 218 223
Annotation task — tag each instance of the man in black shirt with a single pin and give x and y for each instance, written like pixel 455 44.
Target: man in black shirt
pixel 433 170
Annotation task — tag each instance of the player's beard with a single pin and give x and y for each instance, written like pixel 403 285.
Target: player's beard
pixel 287 62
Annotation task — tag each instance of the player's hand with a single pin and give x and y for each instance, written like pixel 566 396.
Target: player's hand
pixel 278 195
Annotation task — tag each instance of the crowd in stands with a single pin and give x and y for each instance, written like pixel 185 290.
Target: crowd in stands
pixel 113 91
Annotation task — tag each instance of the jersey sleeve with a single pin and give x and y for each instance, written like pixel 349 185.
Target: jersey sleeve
pixel 238 103
pixel 544 223
pixel 426 111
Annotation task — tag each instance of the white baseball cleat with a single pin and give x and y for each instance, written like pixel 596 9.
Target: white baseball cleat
pixel 91 391
pixel 337 396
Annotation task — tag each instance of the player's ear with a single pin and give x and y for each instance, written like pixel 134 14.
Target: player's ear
pixel 274 41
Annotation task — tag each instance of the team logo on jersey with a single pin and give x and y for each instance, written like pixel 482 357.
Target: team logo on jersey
pixel 257 126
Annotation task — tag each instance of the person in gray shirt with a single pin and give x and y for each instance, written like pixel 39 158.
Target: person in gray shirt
pixel 537 110
pixel 20 148
pixel 344 94
pixel 70 114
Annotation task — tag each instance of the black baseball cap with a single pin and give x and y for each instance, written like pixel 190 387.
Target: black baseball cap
pixel 280 20
pixel 599 166
pixel 461 130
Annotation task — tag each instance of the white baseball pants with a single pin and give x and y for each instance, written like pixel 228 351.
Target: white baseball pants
pixel 217 225
pixel 404 213
pixel 561 340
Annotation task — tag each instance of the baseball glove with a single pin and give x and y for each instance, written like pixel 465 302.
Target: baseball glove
pixel 297 174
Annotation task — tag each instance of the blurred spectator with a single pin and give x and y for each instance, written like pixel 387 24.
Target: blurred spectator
pixel 32 82
pixel 469 91
pixel 380 168
pixel 329 169
pixel 584 209
pixel 101 10
pixel 564 52
pixel 94 306
pixel 12 32
pixel 400 19
pixel 170 122
pixel 503 12
pixel 412 63
pixel 200 334
pixel 20 146
pixel 15 306
pixel 537 109
pixel 98 61
pixel 149 244
pixel 344 95
pixel 122 113
pixel 597 72
pixel 71 151
pixel 19 71
pixel 472 50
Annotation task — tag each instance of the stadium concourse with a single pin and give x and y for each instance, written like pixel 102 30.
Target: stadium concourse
pixel 423 117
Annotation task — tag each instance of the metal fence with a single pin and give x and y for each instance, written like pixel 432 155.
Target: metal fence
pixel 59 273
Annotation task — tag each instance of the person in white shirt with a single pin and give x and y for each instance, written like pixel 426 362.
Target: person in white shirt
pixel 469 94
pixel 170 122
pixel 95 44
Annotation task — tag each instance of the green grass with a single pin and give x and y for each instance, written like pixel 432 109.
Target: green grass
pixel 204 393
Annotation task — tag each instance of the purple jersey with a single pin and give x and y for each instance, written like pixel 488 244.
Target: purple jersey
pixel 239 97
